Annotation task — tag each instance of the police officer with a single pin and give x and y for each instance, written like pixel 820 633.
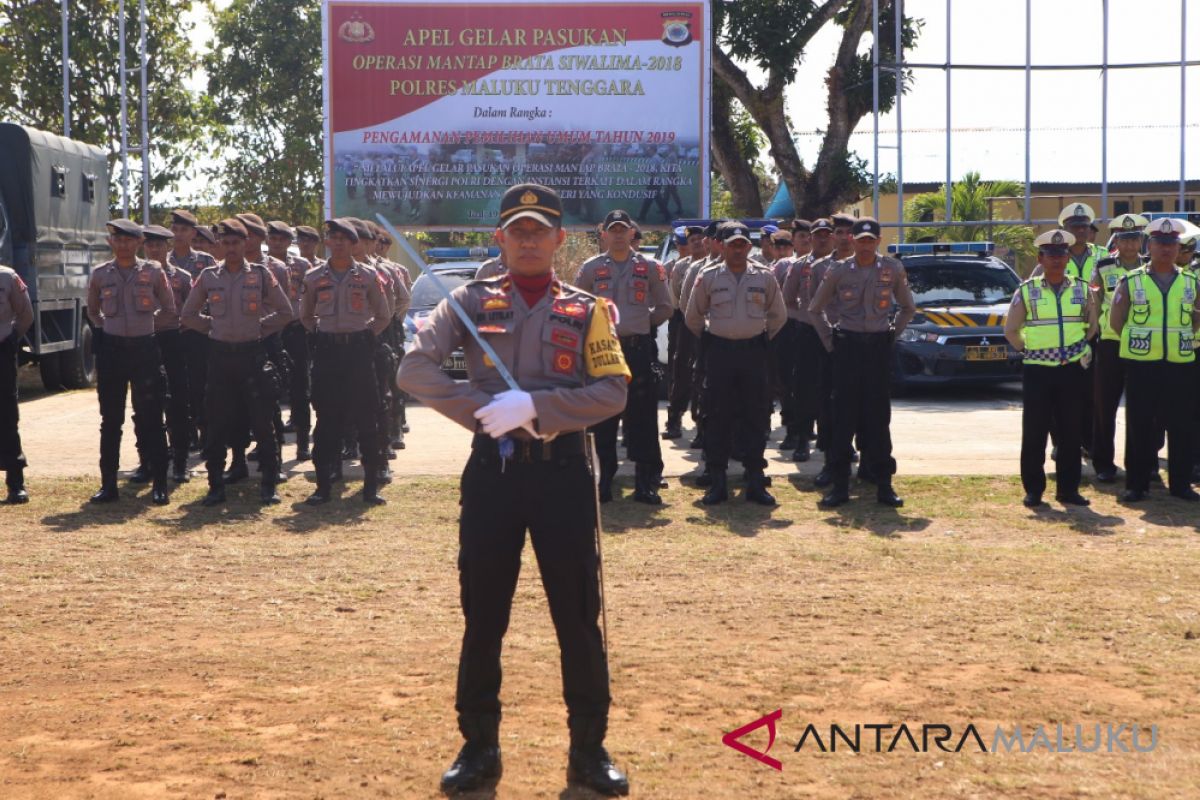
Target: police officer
pixel 206 242
pixel 863 291
pixel 528 471
pixel 308 239
pixel 680 390
pixel 16 317
pixel 783 346
pixel 1108 370
pixel 713 245
pixel 394 336
pixel 344 306
pixel 122 298
pixel 1155 311
pixel 737 307
pixel 244 304
pixel 638 289
pixel 811 358
pixel 801 238
pixel 491 268
pixel 168 336
pixel 294 339
pixel 188 237
pixel 1049 322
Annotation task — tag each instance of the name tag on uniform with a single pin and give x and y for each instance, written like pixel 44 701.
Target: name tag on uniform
pixel 1077 293
pixel 1139 296
pixel 603 272
pixel 252 279
pixel 1035 294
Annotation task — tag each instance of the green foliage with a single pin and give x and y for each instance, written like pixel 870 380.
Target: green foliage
pixel 768 33
pixel 265 79
pixel 747 135
pixel 858 76
pixel 969 199
pixel 31 91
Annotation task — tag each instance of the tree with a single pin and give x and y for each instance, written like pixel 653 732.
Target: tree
pixel 773 35
pixel 266 82
pixel 31 93
pixel 969 202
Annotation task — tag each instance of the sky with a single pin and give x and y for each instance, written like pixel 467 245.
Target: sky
pixel 988 107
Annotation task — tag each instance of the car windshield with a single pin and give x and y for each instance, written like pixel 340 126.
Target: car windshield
pixel 425 294
pixel 960 284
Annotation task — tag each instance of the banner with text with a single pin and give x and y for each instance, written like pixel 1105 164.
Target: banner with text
pixel 433 110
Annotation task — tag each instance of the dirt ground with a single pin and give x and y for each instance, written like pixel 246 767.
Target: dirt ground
pixel 183 652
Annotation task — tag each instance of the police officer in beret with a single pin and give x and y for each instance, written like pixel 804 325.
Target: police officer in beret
pixel 638 289
pixel 1155 311
pixel 344 307
pixel 190 252
pixel 680 391
pixel 863 290
pixel 811 361
pixel 238 304
pixel 16 317
pixel 737 307
pixel 528 471
pixel 783 346
pixel 122 298
pixel 168 335
pixel 308 239
pixel 206 242
pixel 1049 322
pixel 294 339
pixel 715 248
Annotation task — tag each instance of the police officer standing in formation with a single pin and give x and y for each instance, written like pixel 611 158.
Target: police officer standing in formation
pixel 294 339
pixel 812 362
pixel 783 346
pixel 308 239
pixel 528 471
pixel 245 304
pixel 16 317
pixel 123 296
pixel 185 254
pixel 1049 322
pixel 1155 311
pixel 862 292
pixel 344 306
pixel 169 338
pixel 737 307
pixel 680 386
pixel 393 428
pixel 716 254
pixel 638 289
pixel 1108 370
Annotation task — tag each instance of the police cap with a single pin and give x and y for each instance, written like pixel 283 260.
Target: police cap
pixel 867 227
pixel 617 217
pixel 842 221
pixel 124 227
pixel 230 227
pixel 280 228
pixel 1129 225
pixel 157 232
pixel 182 216
pixel 801 225
pixel 1166 229
pixel 694 229
pixel 531 201
pixel 734 230
pixel 1076 214
pixel 342 225
pixel 822 224
pixel 362 229
pixel 1054 242
pixel 253 224
pixel 781 237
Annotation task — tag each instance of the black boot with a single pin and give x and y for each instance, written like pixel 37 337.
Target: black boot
pixel 801 451
pixel 179 472
pixel 159 494
pixel 370 494
pixel 886 496
pixel 646 485
pixel 605 483
pixel 790 441
pixel 302 451
pixel 15 480
pixel 266 493
pixel 718 492
pixel 756 489
pixel 838 495
pixel 824 478
pixel 674 427
pixel 140 475
pixel 238 470
pixel 478 762
pixel 108 490
pixel 215 496
pixel 323 491
pixel 589 764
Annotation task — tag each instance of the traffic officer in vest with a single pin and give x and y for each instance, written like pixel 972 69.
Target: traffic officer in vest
pixel 737 307
pixel 863 291
pixel 190 245
pixel 1108 369
pixel 344 307
pixel 680 390
pixel 16 317
pixel 1155 311
pixel 122 298
pixel 1188 259
pixel 528 471
pixel 1078 219
pixel 168 336
pixel 294 338
pixel 638 289
pixel 1049 322
pixel 238 304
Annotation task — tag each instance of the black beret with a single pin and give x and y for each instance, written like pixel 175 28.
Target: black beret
pixel 230 227
pixel 342 225
pixel 280 227
pixel 157 232
pixel 206 233
pixel 306 232
pixel 361 228
pixel 184 217
pixel 253 224
pixel 124 226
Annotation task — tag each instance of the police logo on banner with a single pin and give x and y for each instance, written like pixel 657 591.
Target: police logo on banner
pixel 677 31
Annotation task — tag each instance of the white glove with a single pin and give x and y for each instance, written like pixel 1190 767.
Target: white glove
pixel 507 411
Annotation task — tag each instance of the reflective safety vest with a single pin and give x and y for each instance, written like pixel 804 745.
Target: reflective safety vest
pixel 1055 322
pixel 1159 326
pixel 1111 273
pixel 1095 253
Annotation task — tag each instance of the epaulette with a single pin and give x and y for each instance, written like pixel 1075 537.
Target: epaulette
pixel 1104 262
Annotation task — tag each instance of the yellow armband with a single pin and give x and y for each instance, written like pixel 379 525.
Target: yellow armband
pixel 601 347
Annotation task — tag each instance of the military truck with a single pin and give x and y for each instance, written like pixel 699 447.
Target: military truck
pixel 53 206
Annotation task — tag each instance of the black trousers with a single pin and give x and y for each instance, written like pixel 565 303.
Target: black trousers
pixel 173 348
pixel 811 362
pixel 295 342
pixel 196 346
pixel 554 501
pixel 861 405
pixel 345 396
pixel 131 365
pixel 681 372
pixel 1108 384
pixel 738 379
pixel 1158 395
pixel 11 455
pixel 640 415
pixel 1051 397
pixel 824 389
pixel 784 352
pixel 242 386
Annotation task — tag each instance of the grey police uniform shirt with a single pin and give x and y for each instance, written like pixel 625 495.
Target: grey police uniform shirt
pixel 693 273
pixel 297 268
pixel 490 269
pixel 243 305
pixel 347 302
pixel 123 302
pixel 562 350
pixel 862 298
pixel 181 286
pixel 193 263
pixel 398 285
pixel 799 286
pixel 675 279
pixel 637 286
pixel 278 269
pixel 16 311
pixel 736 307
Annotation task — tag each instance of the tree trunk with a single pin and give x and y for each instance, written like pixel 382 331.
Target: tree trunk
pixel 729 161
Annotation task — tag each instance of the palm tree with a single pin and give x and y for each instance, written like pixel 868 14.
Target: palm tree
pixel 970 203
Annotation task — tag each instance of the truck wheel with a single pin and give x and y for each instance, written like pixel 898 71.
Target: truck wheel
pixel 78 367
pixel 48 365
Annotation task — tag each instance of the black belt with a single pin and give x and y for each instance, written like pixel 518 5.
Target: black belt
pixel 636 338
pixel 128 342
pixel 358 337
pixel 528 451
pixel 721 343
pixel 235 347
pixel 866 336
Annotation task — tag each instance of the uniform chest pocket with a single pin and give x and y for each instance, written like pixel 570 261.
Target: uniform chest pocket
pixel 143 298
pixel 562 349
pixel 848 294
pixel 324 304
pixel 603 288
pixel 637 291
pixel 721 303
pixel 756 302
pixel 1140 314
pixel 251 300
pixel 218 303
pixel 883 297
pixel 109 303
pixel 356 299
